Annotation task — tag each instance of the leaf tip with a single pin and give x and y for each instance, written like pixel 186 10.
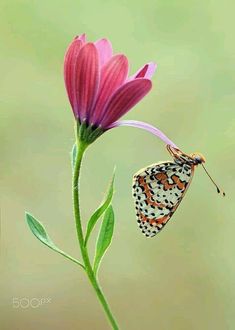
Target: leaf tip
pixel 28 216
pixel 114 172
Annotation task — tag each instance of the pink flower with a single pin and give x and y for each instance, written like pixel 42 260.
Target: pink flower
pixel 98 86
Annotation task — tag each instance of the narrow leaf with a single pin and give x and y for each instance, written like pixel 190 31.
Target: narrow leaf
pixel 105 237
pixel 73 154
pixel 100 210
pixel 39 231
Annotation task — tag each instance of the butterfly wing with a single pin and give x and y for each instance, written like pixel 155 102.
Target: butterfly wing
pixel 158 190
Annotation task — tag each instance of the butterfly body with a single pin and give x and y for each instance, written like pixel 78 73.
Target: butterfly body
pixel 159 188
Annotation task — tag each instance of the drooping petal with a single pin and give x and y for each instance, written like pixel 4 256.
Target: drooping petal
pixel 147 127
pixel 70 69
pixel 113 75
pixel 146 71
pixel 126 97
pixel 105 51
pixel 87 79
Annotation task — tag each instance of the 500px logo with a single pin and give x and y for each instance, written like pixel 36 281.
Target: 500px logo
pixel 25 302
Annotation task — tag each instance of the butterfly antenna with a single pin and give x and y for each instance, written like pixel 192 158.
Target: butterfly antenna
pixel 218 189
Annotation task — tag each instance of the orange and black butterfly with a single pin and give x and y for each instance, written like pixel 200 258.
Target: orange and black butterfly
pixel 159 188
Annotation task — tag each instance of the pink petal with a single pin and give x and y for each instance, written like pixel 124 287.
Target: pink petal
pixel 147 127
pixel 126 97
pixel 82 37
pixel 70 68
pixel 87 79
pixel 146 71
pixel 105 51
pixel 113 75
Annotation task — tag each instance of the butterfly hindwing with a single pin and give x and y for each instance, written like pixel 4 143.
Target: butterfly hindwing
pixel 158 189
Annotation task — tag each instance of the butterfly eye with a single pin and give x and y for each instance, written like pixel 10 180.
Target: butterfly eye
pixel 198 159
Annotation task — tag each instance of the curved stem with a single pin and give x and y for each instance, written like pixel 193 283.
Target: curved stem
pixel 81 147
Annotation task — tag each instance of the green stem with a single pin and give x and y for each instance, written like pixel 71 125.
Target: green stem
pixel 81 147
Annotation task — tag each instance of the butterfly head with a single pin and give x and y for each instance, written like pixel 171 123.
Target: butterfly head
pixel 180 157
pixel 192 160
pixel 198 158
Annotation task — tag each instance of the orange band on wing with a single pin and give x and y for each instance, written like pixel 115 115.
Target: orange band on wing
pixel 148 193
pixel 164 219
pixel 162 177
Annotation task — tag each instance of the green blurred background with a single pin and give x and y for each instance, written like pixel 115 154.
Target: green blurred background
pixel 185 277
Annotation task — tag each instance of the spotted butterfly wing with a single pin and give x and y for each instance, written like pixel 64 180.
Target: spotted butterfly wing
pixel 158 190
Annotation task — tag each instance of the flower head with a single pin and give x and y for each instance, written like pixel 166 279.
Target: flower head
pixel 100 91
pixel 97 83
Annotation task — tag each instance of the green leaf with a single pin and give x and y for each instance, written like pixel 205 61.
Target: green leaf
pixel 73 154
pixel 100 210
pixel 39 231
pixel 105 237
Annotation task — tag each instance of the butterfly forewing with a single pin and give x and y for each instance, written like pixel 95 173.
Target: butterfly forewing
pixel 158 189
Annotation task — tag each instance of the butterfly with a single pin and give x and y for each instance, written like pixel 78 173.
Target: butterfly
pixel 158 189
